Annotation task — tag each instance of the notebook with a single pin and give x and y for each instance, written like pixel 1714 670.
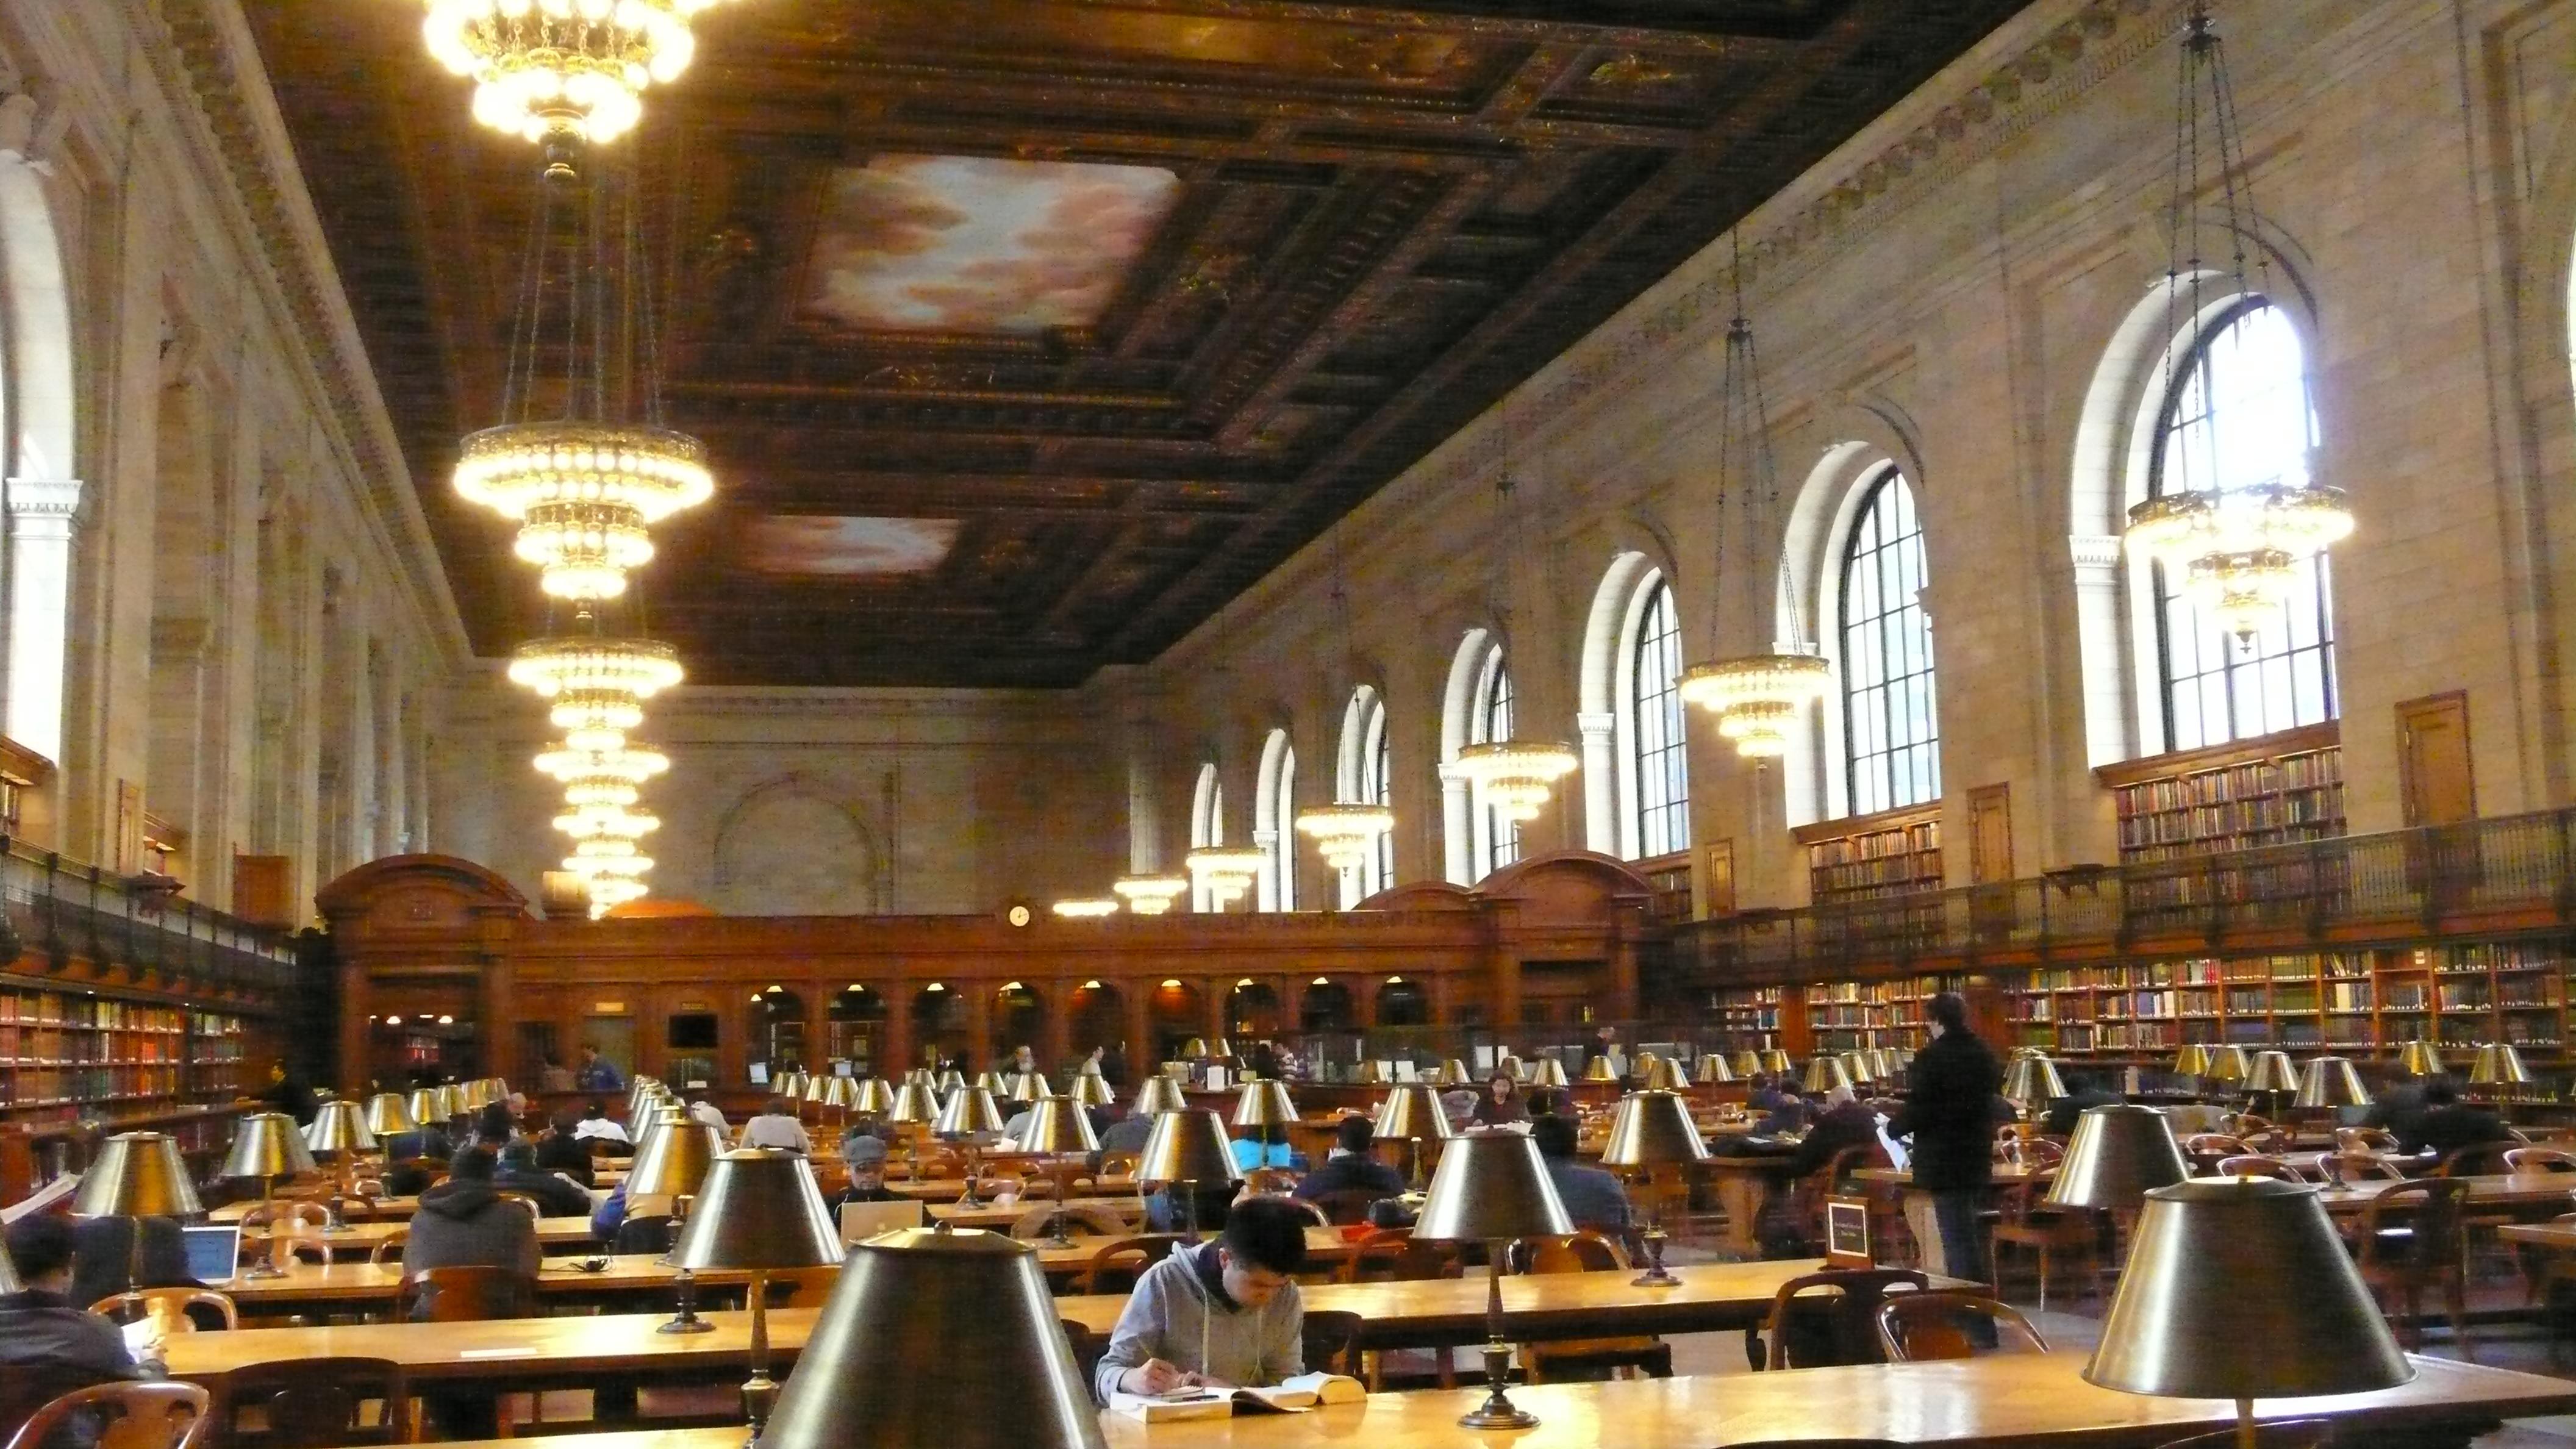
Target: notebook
pixel 1289 1396
pixel 862 1220
pixel 213 1251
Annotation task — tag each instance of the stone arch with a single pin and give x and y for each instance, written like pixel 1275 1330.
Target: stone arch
pixel 1273 803
pixel 39 432
pixel 788 849
pixel 1606 697
pixel 1457 811
pixel 1821 521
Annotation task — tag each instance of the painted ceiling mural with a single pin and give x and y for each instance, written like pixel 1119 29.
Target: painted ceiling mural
pixel 834 547
pixel 978 244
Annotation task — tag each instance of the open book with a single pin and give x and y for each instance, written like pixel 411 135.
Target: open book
pixel 1289 1396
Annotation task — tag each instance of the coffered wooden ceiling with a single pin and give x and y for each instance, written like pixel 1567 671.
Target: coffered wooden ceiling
pixel 1307 241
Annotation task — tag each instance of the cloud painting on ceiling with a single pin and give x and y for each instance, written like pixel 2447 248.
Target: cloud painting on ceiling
pixel 976 244
pixel 846 548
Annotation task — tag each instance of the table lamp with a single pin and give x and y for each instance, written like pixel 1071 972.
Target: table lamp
pixel 1775 1061
pixel 2192 1060
pixel 1857 1066
pixel 1366 1074
pixel 673 1163
pixel 977 1329
pixel 1825 1072
pixel 1598 1070
pixel 137 1175
pixel 339 1132
pixel 1092 1089
pixel 475 1095
pixel 2228 1063
pixel 1219 1049
pixel 388 1117
pixel 1662 1075
pixel 993 1082
pixel 838 1093
pixel 2118 1155
pixel 2030 1084
pixel 1264 1104
pixel 914 1109
pixel 2272 1075
pixel 1158 1093
pixel 1185 1150
pixel 951 1082
pixel 2190 1319
pixel 266 1146
pixel 2498 1065
pixel 924 1075
pixel 873 1097
pixel 1195 1049
pixel 1548 1072
pixel 1711 1070
pixel 1492 1187
pixel 1412 1114
pixel 1882 1064
pixel 791 1085
pixel 657 1116
pixel 2331 1082
pixel 1653 1129
pixel 1030 1087
pixel 1060 1131
pixel 424 1108
pixel 1452 1073
pixel 2419 1058
pixel 759 1211
pixel 449 1099
pixel 970 1119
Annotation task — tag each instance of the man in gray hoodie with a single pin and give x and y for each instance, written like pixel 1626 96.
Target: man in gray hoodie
pixel 1219 1315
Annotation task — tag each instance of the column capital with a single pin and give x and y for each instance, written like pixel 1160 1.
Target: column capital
pixel 44 497
pixel 2094 551
pixel 1597 726
pixel 1452 778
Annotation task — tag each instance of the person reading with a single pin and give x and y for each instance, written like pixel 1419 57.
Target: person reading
pixel 1220 1315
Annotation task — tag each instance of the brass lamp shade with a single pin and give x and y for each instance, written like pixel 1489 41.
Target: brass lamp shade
pixel 994 1083
pixel 952 1080
pixel 1030 1087
pixel 2420 1059
pixel 2031 1082
pixel 2192 1060
pixel 424 1108
pixel 1453 1073
pixel 1882 1064
pixel 913 1103
pixel 1264 1104
pixel 137 1174
pixel 2332 1082
pixel 450 1100
pixel 1825 1073
pixel 1651 1128
pixel 1093 1090
pixel 2192 1318
pixel 971 1113
pixel 1491 1185
pixel 266 1145
pixel 2272 1073
pixel 874 1098
pixel 2498 1065
pixel 476 1095
pixel 1366 1074
pixel 386 1115
pixel 340 1125
pixel 758 1209
pixel 1412 1112
pixel 1195 1049
pixel 1747 1063
pixel 792 1085
pixel 977 1328
pixel 1711 1070
pixel 673 1162
pixel 1058 1125
pixel 1549 1072
pixel 1598 1070
pixel 1775 1061
pixel 1663 1075
pixel 1187 1146
pixel 2228 1064
pixel 838 1091
pixel 1159 1093
pixel 815 1086
pixel 2118 1155
pixel 1856 1065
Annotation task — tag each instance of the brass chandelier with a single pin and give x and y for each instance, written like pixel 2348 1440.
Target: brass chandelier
pixel 563 70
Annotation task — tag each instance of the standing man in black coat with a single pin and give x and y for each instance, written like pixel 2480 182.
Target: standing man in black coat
pixel 1949 1112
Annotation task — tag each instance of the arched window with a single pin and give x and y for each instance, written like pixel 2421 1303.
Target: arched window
pixel 1362 778
pixel 1207 827
pixel 1654 692
pixel 1489 721
pixel 2239 416
pixel 1274 808
pixel 1377 787
pixel 1891 731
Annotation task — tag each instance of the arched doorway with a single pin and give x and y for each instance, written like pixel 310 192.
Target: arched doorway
pixel 1327 1007
pixel 1251 1011
pixel 854 1028
pixel 1018 1020
pixel 1402 1002
pixel 1096 1020
pixel 776 1031
pixel 1174 1014
pixel 938 1025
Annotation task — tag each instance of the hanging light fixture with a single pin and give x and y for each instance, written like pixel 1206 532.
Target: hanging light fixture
pixel 552 70
pixel 598 685
pixel 1757 698
pixel 1086 909
pixel 1346 831
pixel 602 777
pixel 1226 872
pixel 1150 895
pixel 1515 777
pixel 2238 550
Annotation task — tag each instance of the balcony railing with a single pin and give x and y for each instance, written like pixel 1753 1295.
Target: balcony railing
pixel 59 911
pixel 2511 873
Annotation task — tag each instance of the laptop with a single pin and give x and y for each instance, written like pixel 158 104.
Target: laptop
pixel 863 1220
pixel 214 1252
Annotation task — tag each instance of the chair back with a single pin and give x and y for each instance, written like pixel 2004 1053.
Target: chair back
pixel 1838 1325
pixel 180 1310
pixel 2365 1139
pixel 2215 1144
pixel 1117 1266
pixel 1346 1207
pixel 1118 1164
pixel 1082 1217
pixel 1089 1346
pixel 536 1209
pixel 466 1294
pixel 1585 1252
pixel 1391 1255
pixel 2362 1167
pixel 2032 1152
pixel 2255 1164
pixel 314 1403
pixel 389 1248
pixel 2478 1159
pixel 1936 1323
pixel 1332 1340
pixel 2439 1228
pixel 2539 1159
pixel 651 1233
pixel 283 1211
pixel 130 1415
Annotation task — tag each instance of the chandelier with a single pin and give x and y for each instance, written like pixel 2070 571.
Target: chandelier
pixel 584 494
pixel 2238 549
pixel 600 822
pixel 1515 777
pixel 1757 698
pixel 1226 871
pixel 1345 833
pixel 598 685
pixel 1149 895
pixel 1090 909
pixel 602 777
pixel 553 70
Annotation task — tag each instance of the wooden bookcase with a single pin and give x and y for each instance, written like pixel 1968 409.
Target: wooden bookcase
pixel 71 1053
pixel 1873 857
pixel 1747 1018
pixel 1850 1015
pixel 2276 790
pixel 1668 879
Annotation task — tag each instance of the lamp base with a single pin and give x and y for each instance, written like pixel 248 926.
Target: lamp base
pixel 687 1323
pixel 264 1268
pixel 1497 1411
pixel 1654 1276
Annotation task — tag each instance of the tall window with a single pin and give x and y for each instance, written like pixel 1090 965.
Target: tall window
pixel 1491 723
pixel 1376 787
pixel 2239 416
pixel 1663 765
pixel 1891 733
pixel 1207 827
pixel 1283 836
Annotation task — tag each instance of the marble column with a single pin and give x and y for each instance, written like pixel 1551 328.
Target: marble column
pixel 43 522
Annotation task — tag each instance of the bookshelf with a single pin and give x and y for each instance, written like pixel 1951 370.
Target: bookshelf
pixel 1851 1015
pixel 1873 857
pixel 2278 790
pixel 1668 883
pixel 65 1054
pixel 1747 1018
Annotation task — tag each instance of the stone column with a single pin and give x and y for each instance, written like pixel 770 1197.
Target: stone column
pixel 1457 826
pixel 894 1052
pixel 979 1025
pixel 1265 886
pixel 1600 782
pixel 43 519
pixel 1055 1033
pixel 1138 997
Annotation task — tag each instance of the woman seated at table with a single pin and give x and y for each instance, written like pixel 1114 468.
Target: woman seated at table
pixel 1501 1103
pixel 1224 1314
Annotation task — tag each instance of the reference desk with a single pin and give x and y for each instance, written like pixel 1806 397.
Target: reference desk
pixel 2033 1401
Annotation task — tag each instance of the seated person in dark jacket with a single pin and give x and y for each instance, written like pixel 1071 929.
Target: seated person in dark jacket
pixel 463 1223
pixel 1128 1133
pixel 107 1261
pixel 42 1332
pixel 1842 1122
pixel 560 1151
pixel 1166 1212
pixel 519 1172
pixel 1592 1197
pixel 866 1159
pixel 2395 1109
pixel 1350 1168
pixel 2083 1094
pixel 404 1174
pixel 2448 1124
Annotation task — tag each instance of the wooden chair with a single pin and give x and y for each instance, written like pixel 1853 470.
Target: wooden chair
pixel 536 1209
pixel 1084 1218
pixel 2047 1232
pixel 1120 1262
pixel 2362 1167
pixel 466 1294
pixel 2293 1434
pixel 2252 1164
pixel 1562 1359
pixel 284 1211
pixel 1389 1255
pixel 1347 1207
pixel 389 1249
pixel 2365 1139
pixel 1314 1212
pixel 1840 1330
pixel 285 1242
pixel 2431 1248
pixel 2206 1148
pixel 1118 1164
pixel 2478 1159
pixel 314 1403
pixel 2544 1269
pixel 180 1310
pixel 1332 1342
pixel 135 1415
pixel 1913 1327
pixel 2539 1159
pixel 2035 1153
pixel 1089 1346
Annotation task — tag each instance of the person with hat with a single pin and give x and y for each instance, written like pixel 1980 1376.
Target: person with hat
pixel 866 1159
